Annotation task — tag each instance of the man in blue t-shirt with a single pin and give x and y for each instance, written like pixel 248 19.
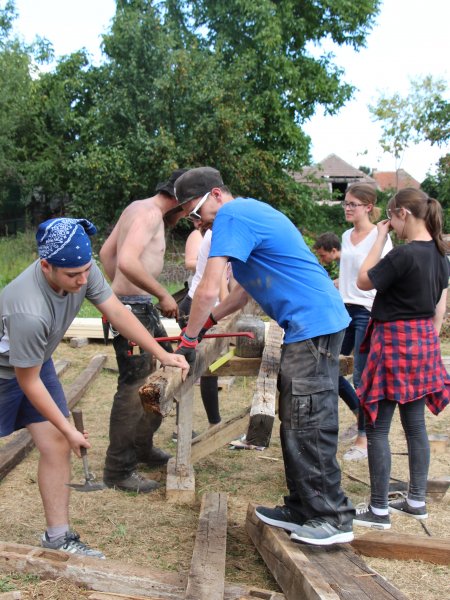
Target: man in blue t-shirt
pixel 273 265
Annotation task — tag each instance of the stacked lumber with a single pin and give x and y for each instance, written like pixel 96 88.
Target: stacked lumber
pixel 92 328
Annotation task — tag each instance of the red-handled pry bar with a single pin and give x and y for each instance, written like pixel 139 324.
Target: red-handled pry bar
pixel 177 338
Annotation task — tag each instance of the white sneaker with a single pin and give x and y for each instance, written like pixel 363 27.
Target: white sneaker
pixel 355 453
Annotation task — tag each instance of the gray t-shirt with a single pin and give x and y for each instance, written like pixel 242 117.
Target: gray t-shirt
pixel 34 318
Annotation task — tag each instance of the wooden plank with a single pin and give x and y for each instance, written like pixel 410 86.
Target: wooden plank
pixel 219 435
pixel 206 579
pixel 61 366
pixel 110 596
pixel 334 571
pixel 165 384
pixel 348 574
pixel 180 484
pixel 110 576
pixel 14 451
pixel 249 367
pixel 295 575
pixel 387 544
pixel 78 388
pixel 92 328
pixel 262 413
pixel 78 342
pixel 244 367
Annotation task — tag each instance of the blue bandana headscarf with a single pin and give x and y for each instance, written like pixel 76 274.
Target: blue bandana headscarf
pixel 65 242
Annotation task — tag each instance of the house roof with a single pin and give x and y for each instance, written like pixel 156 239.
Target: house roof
pixel 394 180
pixel 332 168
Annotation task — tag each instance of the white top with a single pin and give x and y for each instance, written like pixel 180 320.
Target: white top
pixel 202 259
pixel 351 260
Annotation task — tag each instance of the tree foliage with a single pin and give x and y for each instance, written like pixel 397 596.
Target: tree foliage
pixel 183 84
pixel 422 115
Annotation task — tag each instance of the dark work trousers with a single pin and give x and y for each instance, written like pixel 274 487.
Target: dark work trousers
pixel 131 429
pixel 379 453
pixel 308 411
pixel 209 386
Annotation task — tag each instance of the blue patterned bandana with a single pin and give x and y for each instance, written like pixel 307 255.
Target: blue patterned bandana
pixel 65 242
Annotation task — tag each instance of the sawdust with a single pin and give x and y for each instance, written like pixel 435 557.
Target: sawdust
pixel 146 530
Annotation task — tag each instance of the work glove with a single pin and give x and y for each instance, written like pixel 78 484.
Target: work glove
pixel 211 321
pixel 187 348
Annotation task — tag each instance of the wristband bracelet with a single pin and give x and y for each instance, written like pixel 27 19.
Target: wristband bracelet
pixel 189 339
pixel 213 319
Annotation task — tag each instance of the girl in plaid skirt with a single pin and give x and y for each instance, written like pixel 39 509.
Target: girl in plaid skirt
pixel 404 365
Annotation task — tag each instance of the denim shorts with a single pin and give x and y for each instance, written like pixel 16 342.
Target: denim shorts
pixel 16 411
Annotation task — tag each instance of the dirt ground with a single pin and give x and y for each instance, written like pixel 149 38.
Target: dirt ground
pixel 145 530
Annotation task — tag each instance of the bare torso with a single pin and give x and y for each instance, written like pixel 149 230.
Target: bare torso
pixel 136 248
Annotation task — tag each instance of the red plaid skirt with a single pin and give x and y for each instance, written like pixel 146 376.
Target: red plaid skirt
pixel 404 364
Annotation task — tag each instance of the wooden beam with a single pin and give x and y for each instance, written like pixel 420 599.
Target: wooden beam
pixel 206 579
pixel 92 328
pixel 262 413
pixel 14 451
pixel 296 576
pixel 387 544
pixel 109 576
pixel 61 366
pixel 180 484
pixel 244 367
pixel 249 367
pixel 78 388
pixel 109 596
pixel 165 384
pixel 334 571
pixel 219 435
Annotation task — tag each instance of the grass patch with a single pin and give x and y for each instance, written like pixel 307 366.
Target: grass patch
pixel 16 254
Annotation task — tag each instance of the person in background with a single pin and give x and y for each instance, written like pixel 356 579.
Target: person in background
pixel 404 367
pixel 209 385
pixel 191 249
pixel 265 247
pixel 133 258
pixel 328 249
pixel 36 310
pixel 360 210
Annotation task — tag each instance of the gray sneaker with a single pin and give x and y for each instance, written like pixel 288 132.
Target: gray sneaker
pixel 321 533
pixel 365 517
pixel 279 516
pixel 70 542
pixel 401 507
pixel 133 483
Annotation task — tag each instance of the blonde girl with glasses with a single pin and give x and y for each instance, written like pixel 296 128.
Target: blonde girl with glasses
pixel 361 211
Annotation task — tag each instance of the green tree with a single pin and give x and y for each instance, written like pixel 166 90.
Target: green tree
pixel 221 83
pixel 422 115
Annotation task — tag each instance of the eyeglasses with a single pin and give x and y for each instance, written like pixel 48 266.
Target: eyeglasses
pixel 389 211
pixel 194 215
pixel 350 205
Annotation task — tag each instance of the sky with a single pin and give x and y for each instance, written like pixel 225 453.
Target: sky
pixel 409 40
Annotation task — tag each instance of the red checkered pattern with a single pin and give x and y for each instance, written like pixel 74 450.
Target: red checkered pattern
pixel 404 364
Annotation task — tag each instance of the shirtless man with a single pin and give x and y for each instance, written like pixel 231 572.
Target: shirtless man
pixel 133 258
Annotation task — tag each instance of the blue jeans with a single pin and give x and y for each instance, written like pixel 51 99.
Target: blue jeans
pixel 348 394
pixel 354 335
pixel 308 411
pixel 379 453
